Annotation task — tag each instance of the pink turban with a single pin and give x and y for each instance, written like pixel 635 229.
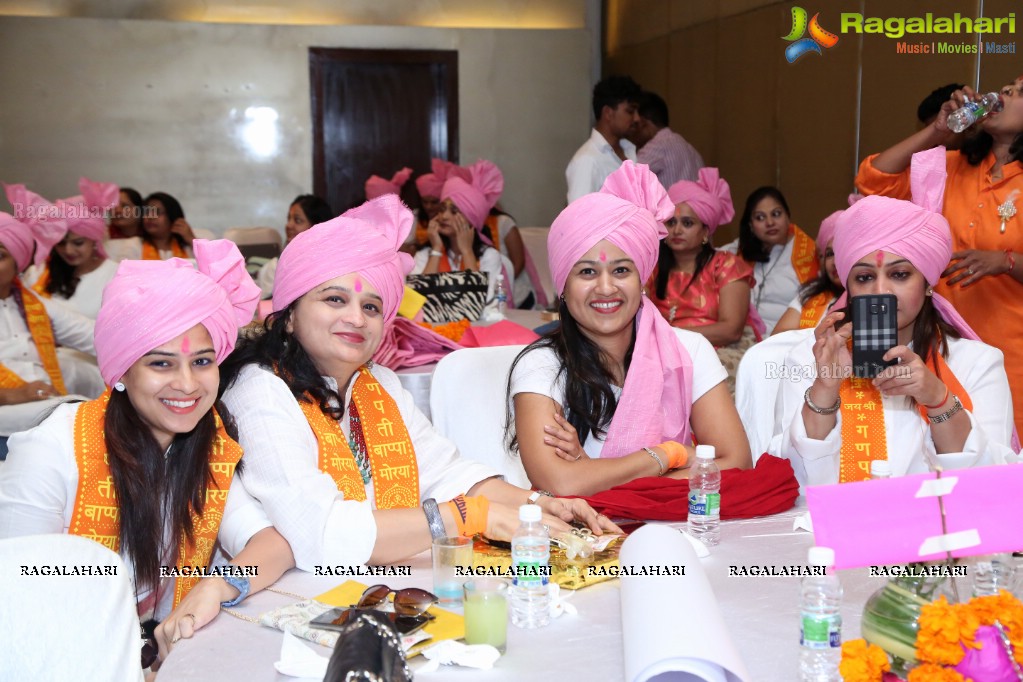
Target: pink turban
pixel 376 186
pixel 364 239
pixel 431 184
pixel 914 230
pixel 85 213
pixel 629 211
pixel 46 224
pixel 476 196
pixel 16 237
pixel 150 302
pixel 827 229
pixel 709 197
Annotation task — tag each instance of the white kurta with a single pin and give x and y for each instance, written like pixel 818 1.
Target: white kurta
pixel 39 483
pixel 491 264
pixel 539 372
pixel 89 292
pixel 282 468
pixel 977 366
pixel 130 248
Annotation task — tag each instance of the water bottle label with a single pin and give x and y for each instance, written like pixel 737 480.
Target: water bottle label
pixel 704 505
pixel 821 633
pixel 530 574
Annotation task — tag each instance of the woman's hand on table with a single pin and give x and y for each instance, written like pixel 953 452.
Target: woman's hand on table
pixel 563 438
pixel 503 521
pixel 569 509
pixel 200 606
pixel 973 265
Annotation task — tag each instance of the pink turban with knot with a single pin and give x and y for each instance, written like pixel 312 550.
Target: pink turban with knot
pixel 85 213
pixel 629 211
pixel 826 232
pixel 709 197
pixel 16 237
pixel 477 195
pixel 376 186
pixel 430 184
pixel 46 224
pixel 364 239
pixel 150 302
pixel 914 230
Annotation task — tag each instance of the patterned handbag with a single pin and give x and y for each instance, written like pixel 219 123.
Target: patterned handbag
pixel 451 296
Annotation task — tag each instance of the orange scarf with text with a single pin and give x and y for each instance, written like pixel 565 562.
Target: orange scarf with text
pixel 863 428
pixel 95 514
pixel 150 252
pixel 814 310
pixel 41 330
pixel 804 255
pixel 392 457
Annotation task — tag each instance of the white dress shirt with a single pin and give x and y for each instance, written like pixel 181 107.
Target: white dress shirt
pixel 89 292
pixel 39 485
pixel 670 157
pixel 977 366
pixel 539 371
pixel 282 468
pixel 592 163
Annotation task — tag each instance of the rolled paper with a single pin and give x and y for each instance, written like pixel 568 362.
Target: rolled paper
pixel 679 648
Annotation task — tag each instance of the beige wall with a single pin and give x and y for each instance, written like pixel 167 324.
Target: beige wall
pixel 161 105
pixel 721 68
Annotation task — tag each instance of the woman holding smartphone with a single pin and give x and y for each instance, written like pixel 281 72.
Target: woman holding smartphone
pixel 945 402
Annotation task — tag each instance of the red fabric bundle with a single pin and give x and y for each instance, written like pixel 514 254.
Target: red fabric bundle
pixel 769 488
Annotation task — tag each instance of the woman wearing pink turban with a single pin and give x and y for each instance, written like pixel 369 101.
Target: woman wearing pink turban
pixel 429 186
pixel 616 393
pixel 456 234
pixel 148 469
pixel 697 287
pixel 34 374
pixel 339 454
pixel 945 403
pixel 76 267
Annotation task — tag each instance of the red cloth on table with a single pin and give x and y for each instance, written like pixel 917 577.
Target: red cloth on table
pixel 769 488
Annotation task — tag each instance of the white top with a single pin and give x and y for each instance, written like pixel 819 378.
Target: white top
pixel 522 286
pixel 89 292
pixel 776 285
pixel 130 248
pixel 538 371
pixel 977 366
pixel 265 278
pixel 281 460
pixel 491 264
pixel 18 353
pixel 39 482
pixel 592 163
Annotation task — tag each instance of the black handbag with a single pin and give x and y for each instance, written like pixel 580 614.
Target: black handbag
pixel 451 296
pixel 368 648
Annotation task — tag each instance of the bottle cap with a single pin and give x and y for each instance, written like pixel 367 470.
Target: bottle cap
pixel 881 468
pixel 705 452
pixel 530 513
pixel 821 556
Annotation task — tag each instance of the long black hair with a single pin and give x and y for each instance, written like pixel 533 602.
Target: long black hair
pixel 275 348
pixel 590 402
pixel 62 278
pixel 818 285
pixel 316 209
pixel 172 209
pixel 666 261
pixel 155 491
pixel 976 147
pixel 750 247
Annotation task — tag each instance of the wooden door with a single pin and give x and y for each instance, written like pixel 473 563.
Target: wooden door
pixel 376 111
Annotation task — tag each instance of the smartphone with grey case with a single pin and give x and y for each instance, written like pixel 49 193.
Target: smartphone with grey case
pixel 875 332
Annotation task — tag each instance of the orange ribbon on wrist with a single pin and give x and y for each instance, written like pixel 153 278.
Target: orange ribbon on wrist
pixel 470 514
pixel 677 453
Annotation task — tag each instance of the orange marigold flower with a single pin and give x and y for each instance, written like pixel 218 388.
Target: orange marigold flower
pixel 941 633
pixel 928 672
pixel 862 662
pixel 450 330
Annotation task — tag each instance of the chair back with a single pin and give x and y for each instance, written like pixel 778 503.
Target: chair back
pixel 253 235
pixel 535 241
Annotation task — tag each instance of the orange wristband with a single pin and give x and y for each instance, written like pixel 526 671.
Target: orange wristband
pixel 470 514
pixel 677 454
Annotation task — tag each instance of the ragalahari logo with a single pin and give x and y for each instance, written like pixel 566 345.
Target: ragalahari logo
pixel 818 36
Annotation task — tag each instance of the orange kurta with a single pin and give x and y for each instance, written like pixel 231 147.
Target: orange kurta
pixel 993 306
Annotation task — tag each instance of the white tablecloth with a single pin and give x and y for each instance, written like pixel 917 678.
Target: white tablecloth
pixel 762 614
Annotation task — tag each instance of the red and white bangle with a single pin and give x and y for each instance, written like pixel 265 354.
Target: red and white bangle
pixel 1011 258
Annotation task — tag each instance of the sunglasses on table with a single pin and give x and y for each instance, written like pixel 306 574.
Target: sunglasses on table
pixel 410 601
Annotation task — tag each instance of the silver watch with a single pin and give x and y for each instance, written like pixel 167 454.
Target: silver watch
pixel 433 518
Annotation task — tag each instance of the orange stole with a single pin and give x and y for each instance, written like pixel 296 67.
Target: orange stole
pixel 150 252
pixel 391 455
pixel 495 235
pixel 95 514
pixel 813 310
pixel 40 286
pixel 804 255
pixel 863 429
pixel 38 322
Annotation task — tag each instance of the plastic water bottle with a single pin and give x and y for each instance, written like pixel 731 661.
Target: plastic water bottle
pixel 502 296
pixel 705 497
pixel 820 637
pixel 992 574
pixel 971 112
pixel 880 468
pixel 529 596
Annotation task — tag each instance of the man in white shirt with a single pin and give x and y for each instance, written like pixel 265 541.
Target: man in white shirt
pixel 615 110
pixel 668 154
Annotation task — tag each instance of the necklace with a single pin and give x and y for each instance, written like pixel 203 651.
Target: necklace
pixel 357 443
pixel 763 281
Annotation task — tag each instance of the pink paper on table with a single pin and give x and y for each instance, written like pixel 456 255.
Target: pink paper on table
pixel 407 344
pixel 503 333
pixel 896 521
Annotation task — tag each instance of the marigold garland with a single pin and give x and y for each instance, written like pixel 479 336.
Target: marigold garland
pixel 451 330
pixel 930 672
pixel 862 662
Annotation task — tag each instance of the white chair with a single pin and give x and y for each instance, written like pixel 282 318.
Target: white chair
pixel 535 241
pixel 253 235
pixel 66 627
pixel 468 403
pixel 757 383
